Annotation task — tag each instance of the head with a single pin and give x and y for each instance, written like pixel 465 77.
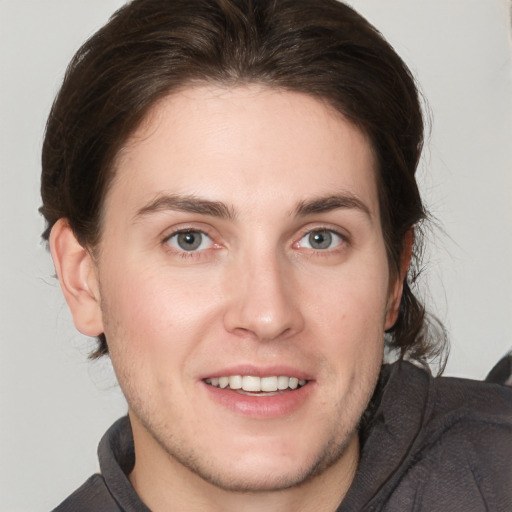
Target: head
pixel 150 49
pixel 237 61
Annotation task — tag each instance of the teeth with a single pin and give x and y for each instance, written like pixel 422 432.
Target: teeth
pixel 283 382
pixel 251 383
pixel 256 384
pixel 235 382
pixel 269 384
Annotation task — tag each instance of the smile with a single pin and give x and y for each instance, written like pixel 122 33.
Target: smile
pixel 254 384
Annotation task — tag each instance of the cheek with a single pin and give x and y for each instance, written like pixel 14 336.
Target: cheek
pixel 154 312
pixel 348 323
pixel 354 306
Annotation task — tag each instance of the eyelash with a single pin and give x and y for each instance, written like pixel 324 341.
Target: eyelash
pixel 171 244
pixel 341 240
pixel 198 252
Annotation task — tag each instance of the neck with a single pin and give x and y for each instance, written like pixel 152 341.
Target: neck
pixel 164 484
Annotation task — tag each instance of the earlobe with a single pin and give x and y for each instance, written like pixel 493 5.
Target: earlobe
pixel 396 289
pixel 78 278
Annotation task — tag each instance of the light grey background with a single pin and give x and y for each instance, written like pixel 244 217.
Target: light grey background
pixel 55 405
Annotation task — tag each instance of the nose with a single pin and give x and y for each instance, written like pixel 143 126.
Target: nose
pixel 263 301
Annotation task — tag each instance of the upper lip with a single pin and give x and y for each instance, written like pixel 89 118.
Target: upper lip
pixel 259 371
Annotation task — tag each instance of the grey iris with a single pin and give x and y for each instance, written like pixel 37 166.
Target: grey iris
pixel 190 240
pixel 320 239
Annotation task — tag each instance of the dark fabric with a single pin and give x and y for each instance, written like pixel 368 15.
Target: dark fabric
pixel 502 371
pixel 428 445
pixel 111 491
pixel 435 445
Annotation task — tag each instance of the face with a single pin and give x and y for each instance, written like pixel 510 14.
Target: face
pixel 244 285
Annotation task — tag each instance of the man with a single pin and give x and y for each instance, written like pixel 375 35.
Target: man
pixel 231 206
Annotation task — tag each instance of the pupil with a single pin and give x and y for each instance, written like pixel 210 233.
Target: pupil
pixel 320 239
pixel 189 241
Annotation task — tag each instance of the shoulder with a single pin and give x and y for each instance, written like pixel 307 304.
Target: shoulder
pixel 476 416
pixel 463 455
pixel 93 495
pixel 446 401
pixel 480 399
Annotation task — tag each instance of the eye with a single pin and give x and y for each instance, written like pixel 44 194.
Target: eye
pixel 190 241
pixel 320 240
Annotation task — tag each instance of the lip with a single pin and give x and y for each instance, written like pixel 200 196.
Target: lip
pixel 276 405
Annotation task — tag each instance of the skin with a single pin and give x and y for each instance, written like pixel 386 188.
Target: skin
pixel 269 168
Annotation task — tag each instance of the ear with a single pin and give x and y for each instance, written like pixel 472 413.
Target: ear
pixel 78 278
pixel 396 287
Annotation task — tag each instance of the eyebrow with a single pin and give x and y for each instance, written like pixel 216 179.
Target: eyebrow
pixel 187 203
pixel 194 204
pixel 332 202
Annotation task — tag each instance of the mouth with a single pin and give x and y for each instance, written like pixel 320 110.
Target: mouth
pixel 257 386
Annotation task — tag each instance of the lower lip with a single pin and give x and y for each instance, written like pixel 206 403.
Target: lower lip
pixel 271 406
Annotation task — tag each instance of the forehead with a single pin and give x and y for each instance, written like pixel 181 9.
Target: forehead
pixel 252 145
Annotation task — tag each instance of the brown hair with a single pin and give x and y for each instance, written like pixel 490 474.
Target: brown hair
pixel 151 48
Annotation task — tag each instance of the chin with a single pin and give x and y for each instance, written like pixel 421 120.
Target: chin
pixel 263 471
